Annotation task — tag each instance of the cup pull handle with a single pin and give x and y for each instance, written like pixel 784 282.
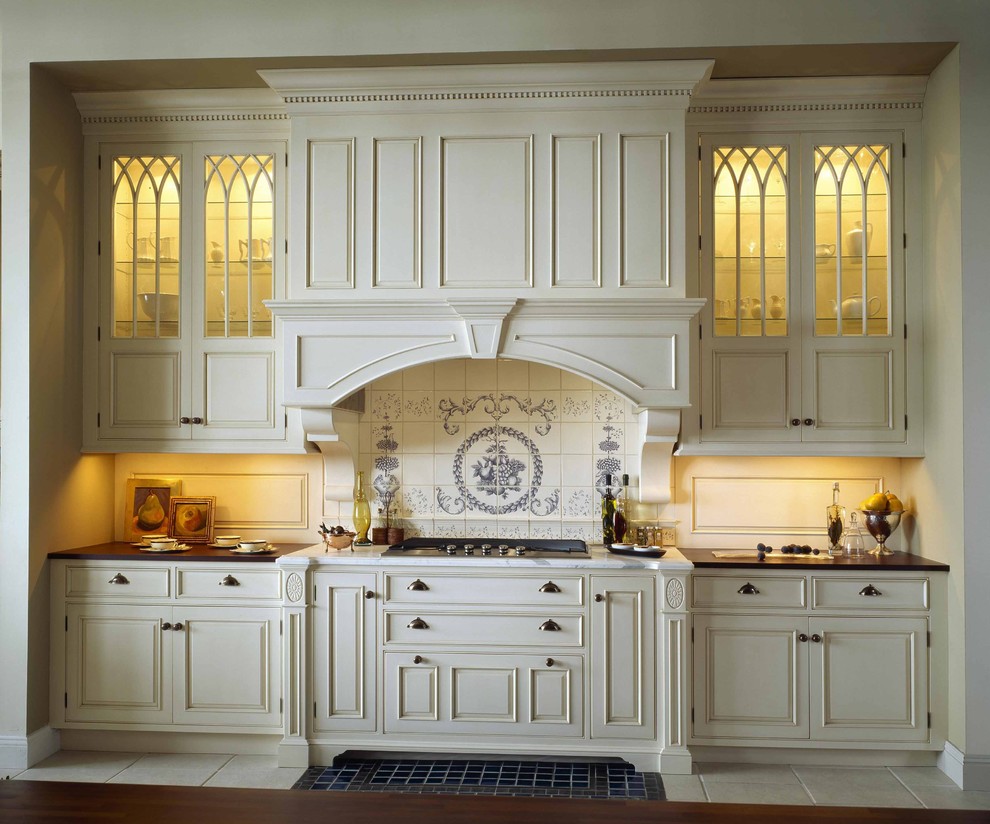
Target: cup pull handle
pixel 418 586
pixel 549 586
pixel 870 590
pixel 229 581
pixel 748 589
pixel 550 626
pixel 118 579
pixel 417 623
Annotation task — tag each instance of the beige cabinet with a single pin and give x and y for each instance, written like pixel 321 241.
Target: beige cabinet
pixel 835 670
pixel 345 651
pixel 131 659
pixel 805 262
pixel 190 245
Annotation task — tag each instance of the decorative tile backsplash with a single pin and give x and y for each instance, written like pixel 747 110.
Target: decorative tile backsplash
pixel 495 449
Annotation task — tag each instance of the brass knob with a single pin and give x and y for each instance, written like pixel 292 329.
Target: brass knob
pixel 166 626
pixel 870 590
pixel 369 595
pixel 178 626
pixel 550 626
pixel 599 597
pixel 118 579
pixel 802 638
pixel 417 623
pixel 184 419
pixel 197 420
pixel 418 586
pixel 748 589
pixel 229 581
pixel 549 586
pixel 809 421
pixel 795 421
pixel 549 662
pixel 418 659
pixel 816 638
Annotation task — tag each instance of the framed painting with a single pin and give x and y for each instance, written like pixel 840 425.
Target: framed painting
pixel 146 506
pixel 191 519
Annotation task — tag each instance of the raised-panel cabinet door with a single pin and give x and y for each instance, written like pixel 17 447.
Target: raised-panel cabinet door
pixel 118 664
pixel 750 677
pixel 623 657
pixel 226 666
pixel 345 651
pixel 869 679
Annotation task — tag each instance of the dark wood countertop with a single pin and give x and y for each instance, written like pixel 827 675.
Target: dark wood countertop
pixel 704 559
pixel 120 550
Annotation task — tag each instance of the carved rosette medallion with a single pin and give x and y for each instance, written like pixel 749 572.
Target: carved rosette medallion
pixel 293 587
pixel 675 593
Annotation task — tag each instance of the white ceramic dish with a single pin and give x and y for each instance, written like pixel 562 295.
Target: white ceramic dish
pixel 245 551
pixel 176 548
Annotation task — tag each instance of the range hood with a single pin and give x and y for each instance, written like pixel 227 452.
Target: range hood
pixel 528 212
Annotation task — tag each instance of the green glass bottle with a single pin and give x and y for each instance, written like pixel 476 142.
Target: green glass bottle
pixel 608 513
pixel 362 513
pixel 621 519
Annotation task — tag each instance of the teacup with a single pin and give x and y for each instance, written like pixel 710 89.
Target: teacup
pixel 147 539
pixel 255 545
pixel 227 540
pixel 163 543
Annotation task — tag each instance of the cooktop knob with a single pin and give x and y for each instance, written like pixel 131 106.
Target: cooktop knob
pixel 503 549
pixel 520 550
pixel 451 549
pixel 486 549
pixel 469 549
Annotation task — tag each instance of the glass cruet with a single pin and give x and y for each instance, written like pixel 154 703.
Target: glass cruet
pixel 852 539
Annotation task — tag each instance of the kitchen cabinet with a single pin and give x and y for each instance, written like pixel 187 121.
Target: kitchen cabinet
pixel 850 667
pixel 189 244
pixel 809 257
pixel 142 658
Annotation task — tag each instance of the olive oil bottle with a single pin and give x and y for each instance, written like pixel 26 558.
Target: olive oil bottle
pixel 835 519
pixel 620 521
pixel 608 513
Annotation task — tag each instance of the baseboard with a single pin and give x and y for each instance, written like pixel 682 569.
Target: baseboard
pixel 816 756
pixel 971 772
pixel 19 752
pixel 170 742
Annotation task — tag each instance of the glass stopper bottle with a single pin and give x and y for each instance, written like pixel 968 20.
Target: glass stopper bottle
pixel 835 517
pixel 620 521
pixel 852 540
pixel 608 513
pixel 362 513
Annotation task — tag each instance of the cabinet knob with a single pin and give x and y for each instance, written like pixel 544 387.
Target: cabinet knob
pixel 118 579
pixel 418 586
pixel 549 586
pixel 870 590
pixel 418 659
pixel 549 662
pixel 369 595
pixel 816 638
pixel 166 626
pixel 178 626
pixel 185 419
pixel 229 581
pixel 802 638
pixel 809 421
pixel 599 597
pixel 417 623
pixel 197 420
pixel 795 421
pixel 550 626
pixel 748 589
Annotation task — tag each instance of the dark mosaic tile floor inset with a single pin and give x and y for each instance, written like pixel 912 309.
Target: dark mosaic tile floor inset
pixel 613 779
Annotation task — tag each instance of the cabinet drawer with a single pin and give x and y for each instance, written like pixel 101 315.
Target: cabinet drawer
pixel 450 628
pixel 137 581
pixel 738 591
pixel 227 582
pixel 870 593
pixel 542 590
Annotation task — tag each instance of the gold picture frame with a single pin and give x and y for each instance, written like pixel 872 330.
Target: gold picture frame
pixel 146 506
pixel 191 519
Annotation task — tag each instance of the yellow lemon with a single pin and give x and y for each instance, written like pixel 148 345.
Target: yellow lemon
pixel 876 503
pixel 894 503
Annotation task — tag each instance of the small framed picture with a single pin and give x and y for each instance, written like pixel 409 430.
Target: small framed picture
pixel 146 506
pixel 191 519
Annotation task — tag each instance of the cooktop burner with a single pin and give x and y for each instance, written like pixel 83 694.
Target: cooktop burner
pixel 485 548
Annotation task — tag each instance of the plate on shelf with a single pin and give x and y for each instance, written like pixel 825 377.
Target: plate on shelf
pixel 150 548
pixel 241 551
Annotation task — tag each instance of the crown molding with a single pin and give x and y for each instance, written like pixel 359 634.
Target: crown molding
pixel 180 106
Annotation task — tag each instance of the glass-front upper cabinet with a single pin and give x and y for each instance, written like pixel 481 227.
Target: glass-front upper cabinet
pixel 239 224
pixel 146 238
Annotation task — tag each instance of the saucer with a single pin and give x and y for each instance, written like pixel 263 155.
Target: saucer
pixel 222 546
pixel 149 548
pixel 241 551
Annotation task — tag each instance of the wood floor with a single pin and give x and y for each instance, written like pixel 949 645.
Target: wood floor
pixel 46 802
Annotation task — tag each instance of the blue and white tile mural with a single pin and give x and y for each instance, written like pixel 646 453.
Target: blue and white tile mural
pixel 494 449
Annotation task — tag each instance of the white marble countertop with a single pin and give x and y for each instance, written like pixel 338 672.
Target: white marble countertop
pixel 600 558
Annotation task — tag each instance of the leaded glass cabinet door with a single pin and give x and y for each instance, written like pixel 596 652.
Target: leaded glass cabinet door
pixel 240 245
pixel 144 325
pixel 854 275
pixel 751 327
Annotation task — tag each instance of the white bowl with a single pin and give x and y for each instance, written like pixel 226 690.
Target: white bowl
pixel 147 539
pixel 260 543
pixel 227 540
pixel 163 543
pixel 150 302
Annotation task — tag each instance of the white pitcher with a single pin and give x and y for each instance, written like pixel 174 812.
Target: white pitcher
pixel 855 245
pixel 852 307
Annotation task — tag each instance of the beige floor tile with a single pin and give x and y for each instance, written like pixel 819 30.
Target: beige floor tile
pixel 914 777
pixel 182 761
pixel 945 798
pixel 274 779
pixel 727 792
pixel 684 788
pixel 723 772
pixel 163 777
pixel 72 765
pixel 855 787
pixel 252 762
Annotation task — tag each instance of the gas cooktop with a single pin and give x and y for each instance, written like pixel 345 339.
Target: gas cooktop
pixel 483 548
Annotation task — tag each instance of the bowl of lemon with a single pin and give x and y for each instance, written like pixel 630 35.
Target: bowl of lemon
pixel 882 513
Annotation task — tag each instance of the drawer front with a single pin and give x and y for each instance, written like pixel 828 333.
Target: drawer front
pixel 872 594
pixel 543 590
pixel 750 592
pixel 229 582
pixel 136 581
pixel 453 628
